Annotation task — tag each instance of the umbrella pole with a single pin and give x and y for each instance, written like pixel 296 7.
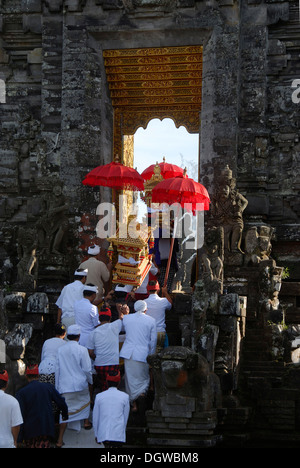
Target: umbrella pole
pixel 171 248
pixel 169 262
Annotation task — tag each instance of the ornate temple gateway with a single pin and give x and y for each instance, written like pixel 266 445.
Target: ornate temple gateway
pixel 77 79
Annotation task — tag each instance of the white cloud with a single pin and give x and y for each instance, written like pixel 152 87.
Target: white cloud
pixel 162 139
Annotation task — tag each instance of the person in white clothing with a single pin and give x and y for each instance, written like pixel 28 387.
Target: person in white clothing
pixel 103 345
pixel 11 416
pixel 49 354
pixel 140 341
pixel 73 380
pixel 71 293
pixel 110 413
pixel 86 313
pixel 156 308
pixel 141 293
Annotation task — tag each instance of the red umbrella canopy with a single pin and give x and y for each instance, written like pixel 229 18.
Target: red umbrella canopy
pixel 167 170
pixel 182 190
pixel 115 175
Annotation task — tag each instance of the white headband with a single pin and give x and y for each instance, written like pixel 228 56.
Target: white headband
pixel 81 273
pixel 94 250
pixel 90 288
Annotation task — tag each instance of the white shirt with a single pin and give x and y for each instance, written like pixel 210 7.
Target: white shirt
pixel 140 338
pixel 73 369
pixel 142 289
pixel 156 308
pixel 87 317
pixel 104 340
pixel 110 415
pixel 70 293
pixel 49 355
pixel 11 416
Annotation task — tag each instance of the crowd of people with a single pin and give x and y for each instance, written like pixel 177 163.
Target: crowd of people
pixel 94 368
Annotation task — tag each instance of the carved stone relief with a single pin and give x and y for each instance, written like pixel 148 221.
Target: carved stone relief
pixel 54 222
pixel 227 209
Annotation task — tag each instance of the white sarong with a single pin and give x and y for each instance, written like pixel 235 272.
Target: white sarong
pixel 78 408
pixel 137 378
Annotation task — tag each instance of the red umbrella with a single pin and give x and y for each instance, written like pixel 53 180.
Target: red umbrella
pixel 182 190
pixel 185 191
pixel 167 170
pixel 115 175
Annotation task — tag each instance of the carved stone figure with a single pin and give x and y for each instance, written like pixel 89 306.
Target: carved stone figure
pixel 227 211
pixel 258 244
pixel 27 266
pixel 270 285
pixel 212 260
pixel 54 223
pixel 201 300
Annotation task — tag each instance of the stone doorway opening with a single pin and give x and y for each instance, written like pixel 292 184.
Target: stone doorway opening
pixel 153 83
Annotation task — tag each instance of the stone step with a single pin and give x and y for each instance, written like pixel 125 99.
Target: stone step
pixel 264 366
pixel 254 356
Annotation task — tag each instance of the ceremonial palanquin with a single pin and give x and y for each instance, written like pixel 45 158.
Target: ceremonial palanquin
pixel 132 256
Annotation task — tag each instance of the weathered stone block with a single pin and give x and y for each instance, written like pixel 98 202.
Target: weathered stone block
pixel 17 339
pixel 229 305
pixel 38 303
pixel 183 407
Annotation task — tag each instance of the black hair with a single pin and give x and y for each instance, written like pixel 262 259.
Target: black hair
pixel 88 293
pixel 72 337
pixel 59 329
pixel 3 383
pixel 120 294
pixel 104 318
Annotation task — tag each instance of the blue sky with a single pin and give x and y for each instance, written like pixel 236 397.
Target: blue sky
pixel 162 139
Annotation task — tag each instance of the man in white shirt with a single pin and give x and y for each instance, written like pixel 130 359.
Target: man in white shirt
pixel 11 416
pixel 103 345
pixel 140 341
pixel 71 293
pixel 110 413
pixel 141 293
pixel 156 308
pixel 86 313
pixel 73 380
pixel 98 271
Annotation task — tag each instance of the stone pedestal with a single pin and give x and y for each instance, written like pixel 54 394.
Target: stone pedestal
pixel 187 395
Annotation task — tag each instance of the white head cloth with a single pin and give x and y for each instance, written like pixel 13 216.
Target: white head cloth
pixel 81 272
pixel 94 250
pixel 74 330
pixel 90 288
pixel 140 306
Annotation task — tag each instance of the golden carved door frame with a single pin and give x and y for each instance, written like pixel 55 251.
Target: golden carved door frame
pixel 148 83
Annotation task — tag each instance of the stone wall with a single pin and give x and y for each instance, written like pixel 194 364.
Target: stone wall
pixel 57 121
